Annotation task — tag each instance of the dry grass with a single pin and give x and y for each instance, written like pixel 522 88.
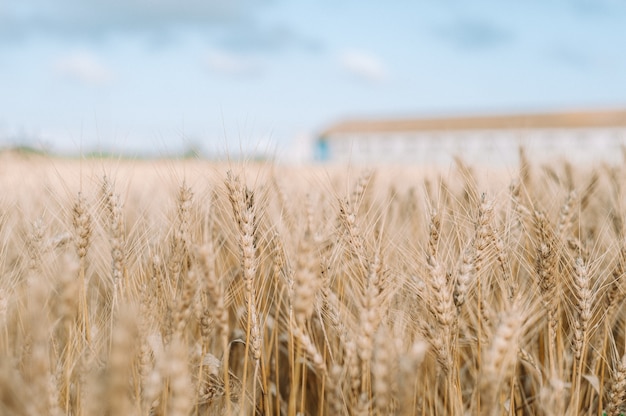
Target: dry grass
pixel 180 288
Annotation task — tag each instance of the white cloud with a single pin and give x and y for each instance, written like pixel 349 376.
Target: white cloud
pixel 233 64
pixel 364 65
pixel 84 67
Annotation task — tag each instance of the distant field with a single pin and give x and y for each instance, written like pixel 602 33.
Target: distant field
pixel 188 287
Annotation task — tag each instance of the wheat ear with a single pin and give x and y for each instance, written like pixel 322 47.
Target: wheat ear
pixel 617 393
pixel 82 221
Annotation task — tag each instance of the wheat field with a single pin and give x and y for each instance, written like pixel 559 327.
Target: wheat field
pixel 196 288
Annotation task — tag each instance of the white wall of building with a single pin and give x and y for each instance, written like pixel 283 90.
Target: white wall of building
pixel 494 147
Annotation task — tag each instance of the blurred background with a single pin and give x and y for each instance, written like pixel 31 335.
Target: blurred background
pixel 165 77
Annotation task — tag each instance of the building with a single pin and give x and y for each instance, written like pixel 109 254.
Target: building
pixel 579 136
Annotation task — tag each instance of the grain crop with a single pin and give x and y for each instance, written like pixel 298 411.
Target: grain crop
pixel 189 287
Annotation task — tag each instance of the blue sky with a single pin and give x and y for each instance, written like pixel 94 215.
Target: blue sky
pixel 162 75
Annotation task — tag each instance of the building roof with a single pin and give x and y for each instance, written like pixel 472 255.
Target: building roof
pixel 580 119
